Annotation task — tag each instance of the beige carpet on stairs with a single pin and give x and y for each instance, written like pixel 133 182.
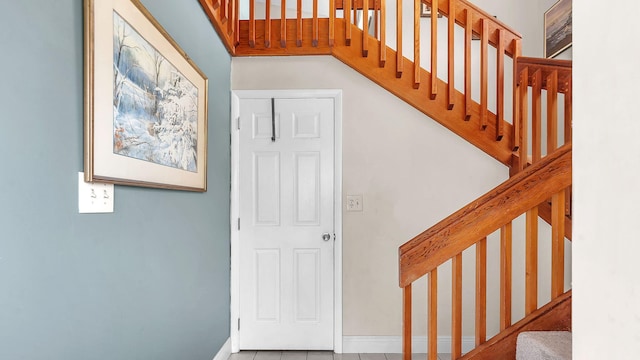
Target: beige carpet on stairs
pixel 544 345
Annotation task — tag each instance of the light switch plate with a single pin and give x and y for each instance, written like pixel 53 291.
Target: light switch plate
pixel 354 202
pixel 94 197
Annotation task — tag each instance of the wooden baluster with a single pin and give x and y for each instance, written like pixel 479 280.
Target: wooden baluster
pixel 506 255
pixel 568 118
pixel 376 18
pixel 299 24
pixel 406 322
pixel 399 57
pixel 215 4
pixel 347 21
pixel 434 49
pixel 252 23
pixel 500 86
pixel 468 36
pixel 365 28
pixel 224 15
pixel 355 12
pixel 517 50
pixel 557 244
pixel 456 307
pixel 523 112
pixel 484 72
pixel 332 22
pixel 267 24
pixel 568 115
pixel 231 29
pixel 236 33
pixel 552 111
pixel 481 292
pixel 283 23
pixel 536 116
pixel 314 25
pixel 531 262
pixel 416 43
pixel 432 326
pixel 451 90
pixel 383 33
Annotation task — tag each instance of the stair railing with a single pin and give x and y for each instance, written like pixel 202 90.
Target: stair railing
pixel 304 31
pixel 534 77
pixel 470 226
pixel 225 19
pixel 547 84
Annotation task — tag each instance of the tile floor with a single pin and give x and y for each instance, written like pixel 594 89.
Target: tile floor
pixel 322 355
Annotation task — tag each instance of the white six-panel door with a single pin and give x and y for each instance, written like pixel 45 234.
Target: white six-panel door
pixel 286 232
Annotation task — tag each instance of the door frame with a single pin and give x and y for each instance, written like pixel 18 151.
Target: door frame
pixel 236 96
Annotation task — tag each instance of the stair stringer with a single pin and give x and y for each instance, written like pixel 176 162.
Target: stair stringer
pixel 419 98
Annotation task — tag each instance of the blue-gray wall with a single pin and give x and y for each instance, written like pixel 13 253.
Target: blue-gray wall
pixel 151 280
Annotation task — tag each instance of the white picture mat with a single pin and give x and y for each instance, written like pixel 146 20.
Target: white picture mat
pixel 112 167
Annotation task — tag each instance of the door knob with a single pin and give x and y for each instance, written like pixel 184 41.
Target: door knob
pixel 326 236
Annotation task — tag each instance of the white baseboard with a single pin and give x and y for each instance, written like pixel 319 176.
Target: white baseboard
pixel 224 352
pixel 393 344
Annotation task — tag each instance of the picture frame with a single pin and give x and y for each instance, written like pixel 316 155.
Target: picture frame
pixel 557 28
pixel 425 10
pixel 145 102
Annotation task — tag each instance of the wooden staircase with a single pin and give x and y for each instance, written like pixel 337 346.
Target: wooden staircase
pixel 469 227
pixel 535 143
pixel 369 55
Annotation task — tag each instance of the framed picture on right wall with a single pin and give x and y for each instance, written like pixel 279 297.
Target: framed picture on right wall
pixel 557 28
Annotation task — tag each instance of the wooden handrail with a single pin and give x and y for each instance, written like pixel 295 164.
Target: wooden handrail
pixel 470 226
pixel 547 65
pixel 483 216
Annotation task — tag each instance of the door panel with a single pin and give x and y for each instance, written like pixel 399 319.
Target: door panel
pixel 266 191
pixel 286 205
pixel 306 188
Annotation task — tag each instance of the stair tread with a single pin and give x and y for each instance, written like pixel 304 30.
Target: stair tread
pixel 544 345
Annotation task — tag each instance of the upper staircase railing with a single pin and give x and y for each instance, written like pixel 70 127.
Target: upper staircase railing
pixel 533 76
pixel 476 107
pixel 547 85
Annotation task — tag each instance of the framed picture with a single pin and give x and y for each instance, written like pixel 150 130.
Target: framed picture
pixel 145 102
pixel 425 10
pixel 557 28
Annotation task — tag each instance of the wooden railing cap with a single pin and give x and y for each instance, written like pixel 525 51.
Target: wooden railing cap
pixel 484 215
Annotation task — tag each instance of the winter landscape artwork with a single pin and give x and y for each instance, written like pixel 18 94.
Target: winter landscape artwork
pixel 155 108
pixel 145 108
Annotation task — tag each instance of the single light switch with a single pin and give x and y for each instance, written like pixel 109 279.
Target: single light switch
pixel 354 202
pixel 94 197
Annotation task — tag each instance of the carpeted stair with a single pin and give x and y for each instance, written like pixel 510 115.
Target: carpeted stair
pixel 544 345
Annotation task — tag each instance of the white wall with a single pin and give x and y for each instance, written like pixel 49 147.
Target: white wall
pixel 606 314
pixel 411 171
